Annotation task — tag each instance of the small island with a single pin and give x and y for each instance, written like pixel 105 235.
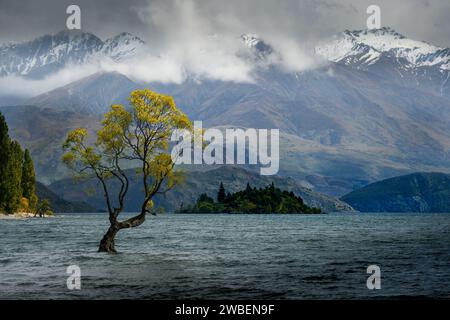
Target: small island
pixel 251 201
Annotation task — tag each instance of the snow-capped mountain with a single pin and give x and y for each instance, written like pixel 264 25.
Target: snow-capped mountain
pixel 50 53
pixel 366 47
pixel 259 49
pixel 122 46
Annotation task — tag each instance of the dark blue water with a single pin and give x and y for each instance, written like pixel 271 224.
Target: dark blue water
pixel 229 256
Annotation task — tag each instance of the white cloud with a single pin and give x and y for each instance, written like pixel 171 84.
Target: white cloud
pixel 26 87
pixel 201 38
pixel 148 68
pixel 197 45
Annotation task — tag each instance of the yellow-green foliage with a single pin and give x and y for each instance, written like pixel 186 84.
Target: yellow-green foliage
pixel 139 133
pixel 24 204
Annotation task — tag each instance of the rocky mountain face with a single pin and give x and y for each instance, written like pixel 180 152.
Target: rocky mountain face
pixel 50 53
pixel 388 53
pixel 92 95
pixel 371 45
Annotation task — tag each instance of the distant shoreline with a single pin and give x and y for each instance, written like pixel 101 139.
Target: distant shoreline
pixel 21 215
pixel 254 214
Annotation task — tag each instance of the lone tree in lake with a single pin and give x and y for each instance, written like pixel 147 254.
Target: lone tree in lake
pixel 140 134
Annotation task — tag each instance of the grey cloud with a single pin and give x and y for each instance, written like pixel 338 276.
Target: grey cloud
pixel 25 19
pixel 302 20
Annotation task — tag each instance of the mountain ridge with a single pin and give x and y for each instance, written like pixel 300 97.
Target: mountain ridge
pixel 416 192
pixel 196 182
pixel 49 53
pixel 93 94
pixel 60 205
pixel 417 53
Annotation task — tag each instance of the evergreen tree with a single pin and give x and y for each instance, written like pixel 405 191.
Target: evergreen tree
pixel 29 180
pixel 221 194
pixel 252 200
pixel 12 187
pixel 272 187
pixel 4 150
pixel 17 177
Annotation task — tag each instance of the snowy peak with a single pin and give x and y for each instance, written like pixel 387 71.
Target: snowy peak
pixel 368 46
pixel 258 47
pixel 122 46
pixel 49 53
pixel 250 40
pixel 386 39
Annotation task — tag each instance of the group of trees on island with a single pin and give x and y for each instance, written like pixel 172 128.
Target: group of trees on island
pixel 251 200
pixel 17 177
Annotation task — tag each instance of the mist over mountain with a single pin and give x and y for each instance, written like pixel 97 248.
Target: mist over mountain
pixel 93 94
pixel 43 131
pixel 376 106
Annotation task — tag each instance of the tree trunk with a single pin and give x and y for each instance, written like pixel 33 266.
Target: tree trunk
pixel 107 242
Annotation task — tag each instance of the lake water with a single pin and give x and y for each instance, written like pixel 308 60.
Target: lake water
pixel 229 257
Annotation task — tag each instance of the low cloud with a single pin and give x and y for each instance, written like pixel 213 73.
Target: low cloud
pixel 26 87
pixel 174 66
pixel 202 37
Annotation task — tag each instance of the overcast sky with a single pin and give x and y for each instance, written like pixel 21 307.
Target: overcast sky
pixel 198 37
pixel 163 21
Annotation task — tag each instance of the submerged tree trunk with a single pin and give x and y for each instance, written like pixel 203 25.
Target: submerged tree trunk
pixel 107 242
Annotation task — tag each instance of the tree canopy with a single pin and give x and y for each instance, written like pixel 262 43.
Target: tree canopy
pixel 140 135
pixel 17 177
pixel 251 200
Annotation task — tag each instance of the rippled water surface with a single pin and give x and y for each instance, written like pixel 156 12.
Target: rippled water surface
pixel 229 256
